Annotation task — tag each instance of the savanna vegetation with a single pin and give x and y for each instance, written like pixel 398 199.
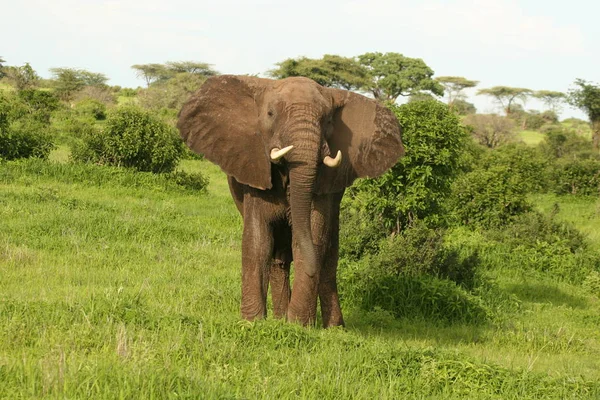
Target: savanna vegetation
pixel 471 269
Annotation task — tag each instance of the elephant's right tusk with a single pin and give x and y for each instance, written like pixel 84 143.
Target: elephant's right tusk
pixel 333 162
pixel 276 153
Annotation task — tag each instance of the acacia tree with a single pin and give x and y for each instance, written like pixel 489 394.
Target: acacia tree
pixel 506 95
pixel 392 75
pixel 331 71
pixel 586 97
pixel 191 67
pixel 453 87
pixel 157 73
pixel 67 81
pixel 551 99
pixel 152 72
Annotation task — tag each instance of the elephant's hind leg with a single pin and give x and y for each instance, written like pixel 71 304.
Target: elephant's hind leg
pixel 279 277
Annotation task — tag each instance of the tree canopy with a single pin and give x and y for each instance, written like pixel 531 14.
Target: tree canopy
pixel 454 85
pixel 23 77
pixel 506 95
pixel 551 99
pixel 70 80
pixel 154 73
pixel 386 76
pixel 586 97
pixel 392 75
pixel 331 71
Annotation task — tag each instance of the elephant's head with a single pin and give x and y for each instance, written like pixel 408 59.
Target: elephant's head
pixel 327 137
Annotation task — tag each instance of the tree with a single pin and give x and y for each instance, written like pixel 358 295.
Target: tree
pixel 152 72
pixel 331 71
pixel 191 67
pixel 586 97
pixel 67 81
pixel 2 61
pixel 453 86
pixel 505 95
pixel 551 99
pixel 23 77
pixel 490 130
pixel 392 75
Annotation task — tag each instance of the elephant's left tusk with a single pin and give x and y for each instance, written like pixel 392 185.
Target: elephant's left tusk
pixel 276 154
pixel 333 162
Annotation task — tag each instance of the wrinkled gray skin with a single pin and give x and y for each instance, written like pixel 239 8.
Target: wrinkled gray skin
pixel 290 206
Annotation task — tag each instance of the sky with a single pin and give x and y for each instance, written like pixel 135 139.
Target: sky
pixel 536 44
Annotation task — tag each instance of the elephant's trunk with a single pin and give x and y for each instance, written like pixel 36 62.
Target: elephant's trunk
pixel 303 160
pixel 301 191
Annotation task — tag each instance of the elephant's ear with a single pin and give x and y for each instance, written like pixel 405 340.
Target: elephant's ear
pixel 220 121
pixel 369 137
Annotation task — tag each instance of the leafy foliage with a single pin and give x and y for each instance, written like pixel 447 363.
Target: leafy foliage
pixel 415 187
pixel 392 75
pixel 577 176
pixel 506 95
pixel 132 138
pixel 454 86
pixel 24 130
pixel 21 78
pixel 67 81
pixel 586 97
pixel 331 71
pixel 489 197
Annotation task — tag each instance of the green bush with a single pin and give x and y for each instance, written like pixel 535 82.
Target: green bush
pixel 92 108
pixel 415 188
pixel 489 197
pixel 134 138
pixel 527 163
pixel 562 143
pixel 21 135
pixel 419 250
pixel 580 177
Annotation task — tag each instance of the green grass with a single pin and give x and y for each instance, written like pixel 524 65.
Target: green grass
pixel 531 138
pixel 119 285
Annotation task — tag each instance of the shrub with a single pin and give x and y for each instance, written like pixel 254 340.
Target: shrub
pixel 21 135
pixel 132 138
pixel 92 108
pixel 416 186
pixel 562 143
pixel 489 197
pixel 581 177
pixel 462 107
pixel 527 163
pixel 420 250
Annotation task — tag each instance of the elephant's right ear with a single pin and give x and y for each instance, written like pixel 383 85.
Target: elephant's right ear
pixel 220 121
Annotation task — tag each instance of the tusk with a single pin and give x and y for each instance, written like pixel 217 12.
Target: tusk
pixel 333 162
pixel 276 154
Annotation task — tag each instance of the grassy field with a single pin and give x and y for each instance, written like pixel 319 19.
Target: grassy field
pixel 115 285
pixel 531 138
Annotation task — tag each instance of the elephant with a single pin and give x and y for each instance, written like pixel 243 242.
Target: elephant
pixel 289 147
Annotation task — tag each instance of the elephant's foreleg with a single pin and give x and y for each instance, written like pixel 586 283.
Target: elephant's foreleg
pixel 328 293
pixel 257 251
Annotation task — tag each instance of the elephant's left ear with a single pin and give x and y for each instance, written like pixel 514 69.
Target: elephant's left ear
pixel 369 137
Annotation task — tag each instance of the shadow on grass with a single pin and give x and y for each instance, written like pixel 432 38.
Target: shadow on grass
pixel 544 293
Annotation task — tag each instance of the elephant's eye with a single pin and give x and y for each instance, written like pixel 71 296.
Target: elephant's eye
pixel 270 113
